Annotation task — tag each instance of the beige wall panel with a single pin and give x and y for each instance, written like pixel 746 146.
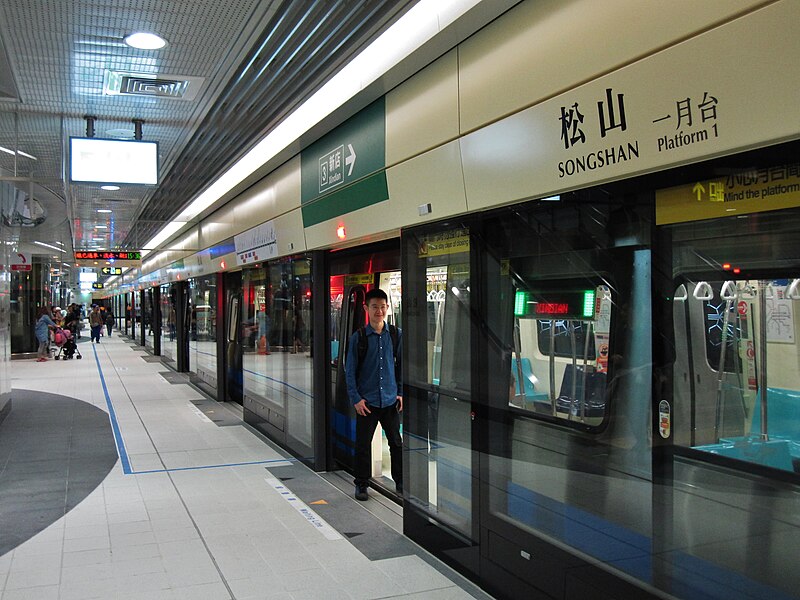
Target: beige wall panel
pixel 368 224
pixel 752 84
pixel 255 206
pixel 289 232
pixel 544 47
pixel 286 181
pixel 218 226
pixel 422 113
pixel 433 178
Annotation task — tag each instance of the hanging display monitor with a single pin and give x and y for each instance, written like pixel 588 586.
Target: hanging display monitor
pixel 96 160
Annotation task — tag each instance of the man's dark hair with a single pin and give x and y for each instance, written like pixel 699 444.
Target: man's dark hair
pixel 376 293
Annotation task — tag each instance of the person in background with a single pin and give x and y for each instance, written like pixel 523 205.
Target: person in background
pixel 43 326
pixel 109 321
pixel 96 323
pixel 58 318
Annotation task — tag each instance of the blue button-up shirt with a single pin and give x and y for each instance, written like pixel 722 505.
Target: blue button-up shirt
pixel 376 377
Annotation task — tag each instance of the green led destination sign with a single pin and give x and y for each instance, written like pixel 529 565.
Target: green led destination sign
pixel 571 304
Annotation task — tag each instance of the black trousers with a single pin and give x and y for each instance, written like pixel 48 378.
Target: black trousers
pixel 389 419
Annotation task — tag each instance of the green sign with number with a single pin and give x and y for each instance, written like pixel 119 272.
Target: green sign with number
pixel 345 170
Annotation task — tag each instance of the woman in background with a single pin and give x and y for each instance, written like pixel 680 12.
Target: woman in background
pixel 43 325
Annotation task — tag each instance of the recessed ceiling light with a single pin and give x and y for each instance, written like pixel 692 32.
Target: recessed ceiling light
pixel 101 226
pixel 110 188
pixel 145 41
pixel 104 210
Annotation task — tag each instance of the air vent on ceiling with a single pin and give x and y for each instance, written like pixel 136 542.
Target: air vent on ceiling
pixel 159 86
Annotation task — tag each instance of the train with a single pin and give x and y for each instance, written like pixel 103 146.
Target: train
pixel 594 260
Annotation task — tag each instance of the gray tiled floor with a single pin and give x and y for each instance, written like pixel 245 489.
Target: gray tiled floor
pixel 181 524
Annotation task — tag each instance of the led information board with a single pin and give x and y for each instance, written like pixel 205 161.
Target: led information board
pixel 569 304
pixel 107 255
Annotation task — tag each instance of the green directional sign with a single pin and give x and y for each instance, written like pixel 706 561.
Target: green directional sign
pixel 345 170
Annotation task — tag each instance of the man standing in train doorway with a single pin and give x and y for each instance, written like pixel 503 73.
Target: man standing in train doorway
pixel 374 386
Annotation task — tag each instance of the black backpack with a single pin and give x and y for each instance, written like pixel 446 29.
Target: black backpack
pixel 362 348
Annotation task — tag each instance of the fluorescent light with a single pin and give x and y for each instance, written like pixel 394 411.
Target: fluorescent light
pixel 26 155
pixel 145 41
pixel 104 210
pixel 101 226
pixel 110 188
pixel 49 246
pixel 420 24
pixel 7 151
pixel 169 230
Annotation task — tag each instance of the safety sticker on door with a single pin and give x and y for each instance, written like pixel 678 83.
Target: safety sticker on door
pixel 664 420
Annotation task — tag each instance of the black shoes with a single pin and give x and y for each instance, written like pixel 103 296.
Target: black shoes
pixel 361 492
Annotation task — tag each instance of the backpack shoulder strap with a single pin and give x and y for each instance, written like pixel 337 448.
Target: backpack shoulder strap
pixel 362 344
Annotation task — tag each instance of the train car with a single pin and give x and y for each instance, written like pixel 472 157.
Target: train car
pixel 594 261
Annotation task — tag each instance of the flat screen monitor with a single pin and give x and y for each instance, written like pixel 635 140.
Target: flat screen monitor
pixel 97 160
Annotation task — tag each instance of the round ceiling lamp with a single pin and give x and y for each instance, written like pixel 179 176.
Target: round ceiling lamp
pixel 145 41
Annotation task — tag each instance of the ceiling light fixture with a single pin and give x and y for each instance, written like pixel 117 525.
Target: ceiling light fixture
pixel 110 188
pixel 26 155
pixel 415 28
pixel 145 41
pixel 101 226
pixel 104 210
pixel 7 151
pixel 49 246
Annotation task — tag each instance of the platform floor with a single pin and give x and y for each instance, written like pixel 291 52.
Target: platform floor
pixel 119 482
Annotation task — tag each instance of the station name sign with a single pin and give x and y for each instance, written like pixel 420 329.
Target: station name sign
pixel 107 255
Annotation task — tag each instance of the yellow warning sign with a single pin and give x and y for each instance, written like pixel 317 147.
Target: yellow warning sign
pixel 449 242
pixel 359 279
pixel 760 190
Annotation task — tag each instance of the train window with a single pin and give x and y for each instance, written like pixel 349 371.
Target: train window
pixel 745 388
pixel 560 357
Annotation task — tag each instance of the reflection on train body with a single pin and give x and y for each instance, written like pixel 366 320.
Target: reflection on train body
pixel 276 345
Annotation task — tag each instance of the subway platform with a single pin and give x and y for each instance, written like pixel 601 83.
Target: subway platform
pixel 120 480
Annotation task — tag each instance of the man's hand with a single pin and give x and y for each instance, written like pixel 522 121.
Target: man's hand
pixel 399 404
pixel 361 408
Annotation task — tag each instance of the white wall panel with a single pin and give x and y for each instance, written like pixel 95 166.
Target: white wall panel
pixel 434 178
pixel 544 47
pixel 756 83
pixel 422 113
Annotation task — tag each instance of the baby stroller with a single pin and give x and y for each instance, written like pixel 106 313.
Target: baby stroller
pixel 64 340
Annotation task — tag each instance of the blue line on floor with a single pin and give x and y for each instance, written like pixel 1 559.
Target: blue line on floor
pixel 123 454
pixel 242 464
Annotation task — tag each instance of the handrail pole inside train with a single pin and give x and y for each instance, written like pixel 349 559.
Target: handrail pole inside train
pixel 762 355
pixel 553 366
pixel 721 370
pixel 585 369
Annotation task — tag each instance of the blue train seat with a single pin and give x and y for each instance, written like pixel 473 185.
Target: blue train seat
pixel 782 450
pixel 531 395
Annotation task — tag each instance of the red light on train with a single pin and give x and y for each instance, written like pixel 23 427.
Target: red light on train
pixel 222 264
pixel 737 270
pixel 340 232
pixel 726 266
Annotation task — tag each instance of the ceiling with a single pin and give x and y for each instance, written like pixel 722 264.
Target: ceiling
pixel 244 64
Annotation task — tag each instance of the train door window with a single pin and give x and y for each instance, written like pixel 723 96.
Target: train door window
pixel 169 321
pixel 439 378
pixel 742 349
pixel 203 331
pixel 276 338
pixel 561 347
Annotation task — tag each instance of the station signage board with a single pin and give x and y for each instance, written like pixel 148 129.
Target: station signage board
pixel 97 286
pixel 345 170
pixel 111 271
